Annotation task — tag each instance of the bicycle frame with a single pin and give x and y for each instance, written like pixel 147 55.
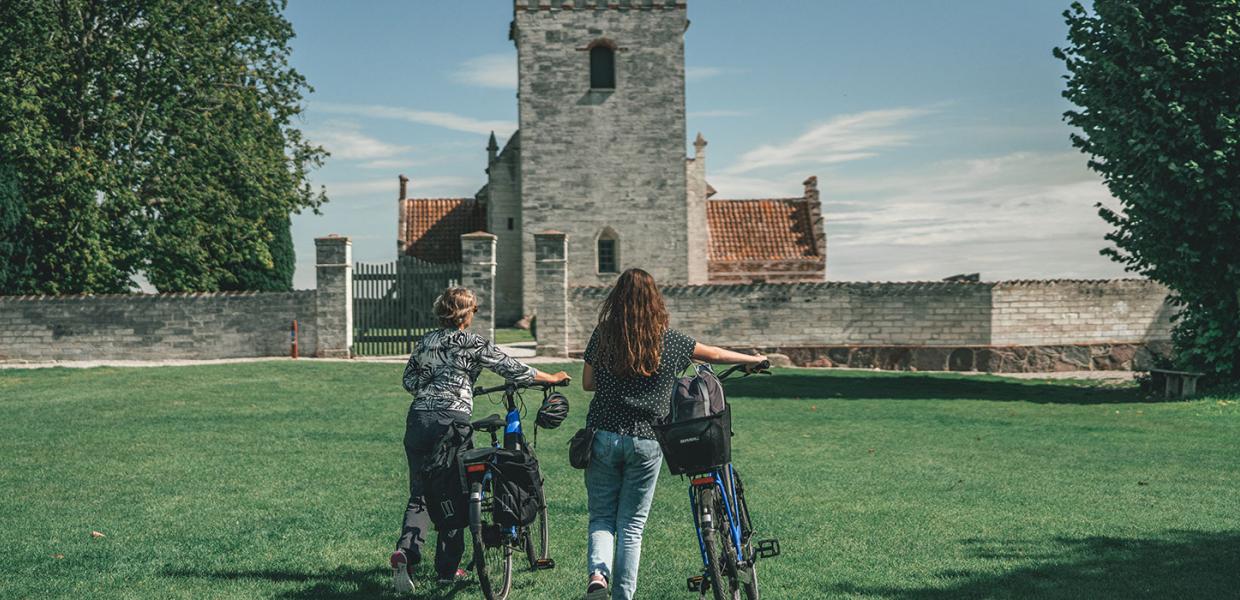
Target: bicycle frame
pixel 727 492
pixel 724 481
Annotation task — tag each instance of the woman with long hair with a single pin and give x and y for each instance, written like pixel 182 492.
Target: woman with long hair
pixel 441 375
pixel 632 362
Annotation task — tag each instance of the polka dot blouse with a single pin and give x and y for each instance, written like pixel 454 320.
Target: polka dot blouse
pixel 631 405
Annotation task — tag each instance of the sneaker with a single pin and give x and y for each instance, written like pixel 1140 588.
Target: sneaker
pixel 597 590
pixel 459 575
pixel 402 576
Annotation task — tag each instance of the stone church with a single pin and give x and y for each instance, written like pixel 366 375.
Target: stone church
pixel 600 155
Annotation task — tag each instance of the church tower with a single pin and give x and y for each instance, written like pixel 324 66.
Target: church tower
pixel 602 127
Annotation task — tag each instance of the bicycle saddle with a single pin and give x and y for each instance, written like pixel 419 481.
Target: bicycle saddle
pixel 489 424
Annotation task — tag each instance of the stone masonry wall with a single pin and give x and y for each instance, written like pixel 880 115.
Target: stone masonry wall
pixel 1053 325
pixel 157 326
pixel 198 326
pixel 597 158
pixel 1039 313
pixel 503 196
pixel 808 314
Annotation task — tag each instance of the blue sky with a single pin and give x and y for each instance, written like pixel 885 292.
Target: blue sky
pixel 934 127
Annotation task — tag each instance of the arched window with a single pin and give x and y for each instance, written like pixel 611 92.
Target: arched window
pixel 602 67
pixel 608 250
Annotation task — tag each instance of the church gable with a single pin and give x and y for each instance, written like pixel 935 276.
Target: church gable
pixel 431 228
pixel 778 239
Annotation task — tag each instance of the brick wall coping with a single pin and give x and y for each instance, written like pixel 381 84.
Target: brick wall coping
pixel 912 285
pixel 157 296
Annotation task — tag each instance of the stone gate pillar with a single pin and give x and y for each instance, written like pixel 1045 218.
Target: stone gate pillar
pixel 478 274
pixel 551 283
pixel 333 313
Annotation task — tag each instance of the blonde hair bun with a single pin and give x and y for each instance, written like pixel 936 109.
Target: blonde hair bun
pixel 454 306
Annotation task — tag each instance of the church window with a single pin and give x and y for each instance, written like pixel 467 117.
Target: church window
pixel 509 223
pixel 602 67
pixel 608 252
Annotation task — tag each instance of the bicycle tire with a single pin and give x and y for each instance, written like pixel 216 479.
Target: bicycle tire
pixel 717 581
pixel 749 575
pixel 537 534
pixel 499 555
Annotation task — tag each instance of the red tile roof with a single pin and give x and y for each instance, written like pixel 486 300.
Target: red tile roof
pixel 434 226
pixel 755 230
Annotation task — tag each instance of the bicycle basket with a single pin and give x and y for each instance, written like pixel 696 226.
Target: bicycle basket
pixel 517 485
pixel 697 445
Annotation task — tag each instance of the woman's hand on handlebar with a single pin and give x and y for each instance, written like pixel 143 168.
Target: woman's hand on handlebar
pixel 759 364
pixel 560 378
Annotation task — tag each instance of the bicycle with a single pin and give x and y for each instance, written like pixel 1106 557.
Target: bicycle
pixel 722 519
pixel 494 542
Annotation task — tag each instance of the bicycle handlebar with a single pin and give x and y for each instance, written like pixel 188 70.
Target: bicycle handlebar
pixel 763 367
pixel 480 391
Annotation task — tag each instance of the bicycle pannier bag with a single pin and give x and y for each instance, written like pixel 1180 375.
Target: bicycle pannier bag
pixel 517 486
pixel 443 480
pixel 697 435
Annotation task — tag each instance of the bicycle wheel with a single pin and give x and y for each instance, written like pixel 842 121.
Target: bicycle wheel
pixel 711 520
pixel 747 575
pixel 535 539
pixel 492 553
pixel 537 536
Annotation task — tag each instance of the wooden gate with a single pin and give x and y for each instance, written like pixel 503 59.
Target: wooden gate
pixel 392 303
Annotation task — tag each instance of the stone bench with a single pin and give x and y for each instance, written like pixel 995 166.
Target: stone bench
pixel 1177 384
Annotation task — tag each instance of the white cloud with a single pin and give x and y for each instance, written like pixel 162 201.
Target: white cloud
pixel 489 70
pixel 1018 215
pixel 388 163
pixel 346 141
pixel 719 113
pixel 842 139
pixel 441 186
pixel 421 117
pixel 699 73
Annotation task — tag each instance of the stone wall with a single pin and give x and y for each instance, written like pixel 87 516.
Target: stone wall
pixel 156 326
pixel 1039 313
pixel 503 196
pixel 596 158
pixel 1001 327
pixel 187 326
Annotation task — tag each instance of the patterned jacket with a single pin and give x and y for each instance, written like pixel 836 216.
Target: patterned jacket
pixel 446 363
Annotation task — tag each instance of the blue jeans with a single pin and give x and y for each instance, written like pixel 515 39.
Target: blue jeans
pixel 620 485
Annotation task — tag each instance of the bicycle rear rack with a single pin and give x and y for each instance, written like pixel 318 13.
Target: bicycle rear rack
pixel 766 548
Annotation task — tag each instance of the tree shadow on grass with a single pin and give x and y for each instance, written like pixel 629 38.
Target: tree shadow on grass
pixel 852 385
pixel 341 583
pixel 1179 564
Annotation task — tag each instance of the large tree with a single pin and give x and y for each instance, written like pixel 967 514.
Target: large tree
pixel 154 136
pixel 14 242
pixel 1157 83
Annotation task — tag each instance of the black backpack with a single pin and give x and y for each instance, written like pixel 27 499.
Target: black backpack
pixel 698 396
pixel 697 435
pixel 443 479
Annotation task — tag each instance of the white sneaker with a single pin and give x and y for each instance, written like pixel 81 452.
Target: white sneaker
pixel 402 580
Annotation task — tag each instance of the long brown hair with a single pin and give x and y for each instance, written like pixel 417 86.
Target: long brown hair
pixel 631 324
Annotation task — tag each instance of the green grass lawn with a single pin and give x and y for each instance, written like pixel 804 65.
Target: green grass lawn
pixel 287 480
pixel 512 335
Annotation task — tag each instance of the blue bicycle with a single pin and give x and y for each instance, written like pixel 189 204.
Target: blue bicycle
pixel 507 511
pixel 722 519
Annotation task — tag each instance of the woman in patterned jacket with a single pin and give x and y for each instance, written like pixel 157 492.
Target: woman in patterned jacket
pixel 441 375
